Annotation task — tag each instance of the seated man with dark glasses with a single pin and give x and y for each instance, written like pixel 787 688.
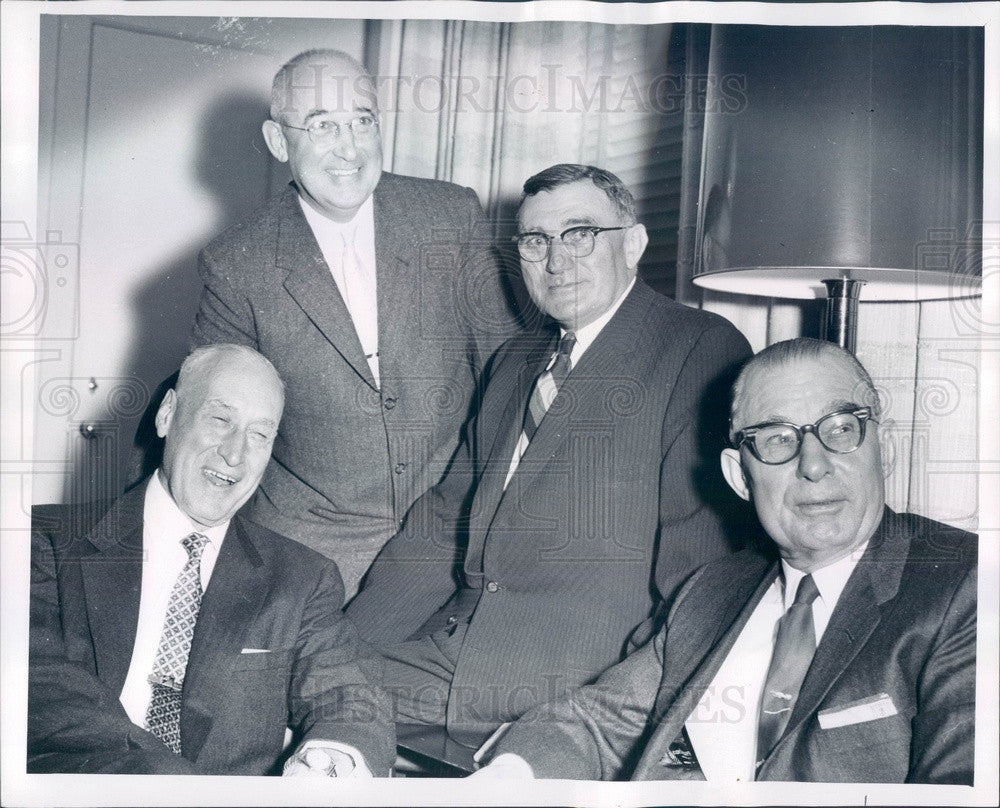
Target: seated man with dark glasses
pixel 840 649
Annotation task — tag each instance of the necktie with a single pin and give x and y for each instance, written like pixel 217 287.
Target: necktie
pixel 548 384
pixel 793 652
pixel 163 718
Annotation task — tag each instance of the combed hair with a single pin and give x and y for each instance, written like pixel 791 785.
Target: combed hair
pixel 566 173
pixel 200 359
pixel 318 56
pixel 782 353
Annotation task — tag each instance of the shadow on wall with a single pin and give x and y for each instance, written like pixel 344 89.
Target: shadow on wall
pixel 233 166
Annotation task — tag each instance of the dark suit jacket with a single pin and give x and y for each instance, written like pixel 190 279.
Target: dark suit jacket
pixel 905 626
pixel 607 505
pixel 351 457
pixel 266 592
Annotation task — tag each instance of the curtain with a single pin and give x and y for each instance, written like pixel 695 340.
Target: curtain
pixel 489 104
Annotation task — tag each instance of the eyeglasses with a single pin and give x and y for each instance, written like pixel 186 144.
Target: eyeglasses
pixel 775 443
pixel 579 242
pixel 324 132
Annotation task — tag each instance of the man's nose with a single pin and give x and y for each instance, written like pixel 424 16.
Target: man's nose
pixel 814 459
pixel 559 258
pixel 233 448
pixel 343 144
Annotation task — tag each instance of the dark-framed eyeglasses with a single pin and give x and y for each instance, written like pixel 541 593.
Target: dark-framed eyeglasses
pixel 579 241
pixel 323 131
pixel 777 442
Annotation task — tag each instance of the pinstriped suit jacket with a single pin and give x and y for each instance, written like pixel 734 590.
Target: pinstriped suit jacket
pixel 611 504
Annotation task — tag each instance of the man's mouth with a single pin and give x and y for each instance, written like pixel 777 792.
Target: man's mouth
pixel 343 172
pixel 819 507
pixel 217 478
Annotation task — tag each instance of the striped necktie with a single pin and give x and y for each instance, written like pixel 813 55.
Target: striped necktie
pixel 548 384
pixel 163 717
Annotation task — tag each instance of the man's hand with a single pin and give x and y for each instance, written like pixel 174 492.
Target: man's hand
pixel 323 761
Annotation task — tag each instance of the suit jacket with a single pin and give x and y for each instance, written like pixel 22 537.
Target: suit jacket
pixel 607 508
pixel 904 629
pixel 352 456
pixel 266 592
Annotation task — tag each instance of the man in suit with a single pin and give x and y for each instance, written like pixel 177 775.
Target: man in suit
pixel 377 297
pixel 843 650
pixel 580 494
pixel 170 636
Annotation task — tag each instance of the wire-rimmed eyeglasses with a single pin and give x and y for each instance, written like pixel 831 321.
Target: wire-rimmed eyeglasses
pixel 777 442
pixel 579 241
pixel 323 131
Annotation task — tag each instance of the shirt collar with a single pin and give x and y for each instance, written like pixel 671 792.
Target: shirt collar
pixel 830 580
pixel 170 522
pixel 586 335
pixel 363 221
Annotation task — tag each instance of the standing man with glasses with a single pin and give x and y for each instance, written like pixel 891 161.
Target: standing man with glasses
pixel 843 649
pixel 378 298
pixel 591 466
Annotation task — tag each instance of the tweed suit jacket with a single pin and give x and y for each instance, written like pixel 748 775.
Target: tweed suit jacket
pixel 610 505
pixel 902 633
pixel 266 592
pixel 351 456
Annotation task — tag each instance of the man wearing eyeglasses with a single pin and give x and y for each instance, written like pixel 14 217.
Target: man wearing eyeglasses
pixel 592 462
pixel 377 297
pixel 842 650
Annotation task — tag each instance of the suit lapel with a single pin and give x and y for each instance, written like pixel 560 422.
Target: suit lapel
pixel 696 649
pixel 112 578
pixel 397 277
pixel 856 615
pixel 311 285
pixel 235 592
pixel 509 426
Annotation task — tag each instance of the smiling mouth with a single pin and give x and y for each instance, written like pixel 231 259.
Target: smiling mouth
pixel 217 478
pixel 343 172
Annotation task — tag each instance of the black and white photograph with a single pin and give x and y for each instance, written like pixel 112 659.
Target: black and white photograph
pixel 500 403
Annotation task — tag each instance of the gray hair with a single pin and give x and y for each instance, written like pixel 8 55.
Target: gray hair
pixel 201 360
pixel 319 57
pixel 783 353
pixel 566 173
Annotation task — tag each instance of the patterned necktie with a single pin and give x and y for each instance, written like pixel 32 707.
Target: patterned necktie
pixel 163 717
pixel 548 384
pixel 793 652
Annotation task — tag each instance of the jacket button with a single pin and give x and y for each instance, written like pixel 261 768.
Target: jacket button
pixel 452 619
pixel 390 403
pixel 492 586
pixel 400 468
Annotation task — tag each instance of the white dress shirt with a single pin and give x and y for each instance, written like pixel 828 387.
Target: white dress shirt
pixel 723 726
pixel 584 339
pixel 349 251
pixel 164 525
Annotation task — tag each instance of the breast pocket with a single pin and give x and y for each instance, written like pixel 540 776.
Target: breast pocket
pixel 271 660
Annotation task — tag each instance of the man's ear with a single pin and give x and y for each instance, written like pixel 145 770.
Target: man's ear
pixel 732 470
pixel 165 415
pixel 887 445
pixel 275 140
pixel 635 245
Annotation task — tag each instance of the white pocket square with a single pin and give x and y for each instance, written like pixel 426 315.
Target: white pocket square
pixel 857 712
pixel 256 651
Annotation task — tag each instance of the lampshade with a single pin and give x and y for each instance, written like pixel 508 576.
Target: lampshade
pixel 842 153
